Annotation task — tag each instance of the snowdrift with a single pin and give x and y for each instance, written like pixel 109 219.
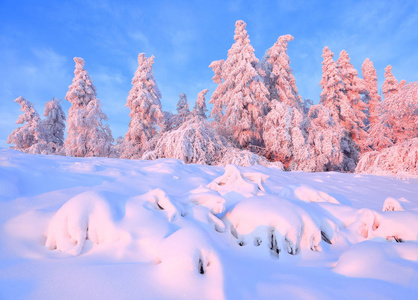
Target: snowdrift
pixel 163 229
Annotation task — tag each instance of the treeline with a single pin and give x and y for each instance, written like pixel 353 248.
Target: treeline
pixel 258 117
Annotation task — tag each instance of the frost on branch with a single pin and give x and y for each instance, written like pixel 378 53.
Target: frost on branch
pixel 275 223
pixel 195 141
pixel 247 184
pixel 86 216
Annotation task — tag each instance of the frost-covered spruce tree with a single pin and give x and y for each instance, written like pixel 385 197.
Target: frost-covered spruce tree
pixel 353 88
pixel 372 96
pixel 240 99
pixel 283 135
pixel 398 118
pixel 55 122
pixel 279 78
pixel 146 114
pixel 333 95
pixel 32 137
pixel 330 148
pixel 87 134
pixel 390 85
pixel 200 105
pixel 183 112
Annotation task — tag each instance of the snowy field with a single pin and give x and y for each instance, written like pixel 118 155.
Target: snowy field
pixel 99 228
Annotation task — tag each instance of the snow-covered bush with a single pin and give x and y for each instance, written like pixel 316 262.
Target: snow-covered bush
pixel 245 158
pixel 247 184
pixel 85 216
pixel 195 141
pixel 276 223
pixel 400 160
pixel 391 204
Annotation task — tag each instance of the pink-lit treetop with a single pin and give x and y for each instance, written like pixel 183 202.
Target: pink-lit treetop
pixel 144 102
pixel 353 88
pixel 87 135
pixel 370 80
pixel 200 105
pixel 390 85
pixel 241 96
pixel 279 78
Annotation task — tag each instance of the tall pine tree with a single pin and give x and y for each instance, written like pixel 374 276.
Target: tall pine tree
pixel 146 114
pixel 87 135
pixel 240 99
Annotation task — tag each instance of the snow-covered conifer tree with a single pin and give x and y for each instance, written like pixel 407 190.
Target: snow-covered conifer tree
pixel 87 134
pixel 32 137
pixel 183 112
pixel 282 133
pixel 354 86
pixel 241 97
pixel 55 122
pixel 398 118
pixel 334 98
pixel 370 79
pixel 146 114
pixel 279 77
pixel 330 148
pixel 200 106
pixel 390 85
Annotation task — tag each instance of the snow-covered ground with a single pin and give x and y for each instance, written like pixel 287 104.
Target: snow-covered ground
pixel 98 228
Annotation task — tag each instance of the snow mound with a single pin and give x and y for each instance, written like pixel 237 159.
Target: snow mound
pixel 247 184
pixel 391 204
pixel 85 216
pixel 189 249
pixel 307 194
pixel 375 260
pixel 159 200
pixel 209 198
pixel 397 225
pixel 277 223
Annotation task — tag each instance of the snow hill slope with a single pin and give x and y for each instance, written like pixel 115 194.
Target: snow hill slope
pixel 97 228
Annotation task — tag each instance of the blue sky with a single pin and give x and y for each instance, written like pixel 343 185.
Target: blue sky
pixel 38 40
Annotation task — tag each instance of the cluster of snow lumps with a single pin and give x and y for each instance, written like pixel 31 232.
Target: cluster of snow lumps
pixel 85 216
pixel 278 223
pixel 158 199
pixel 247 184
